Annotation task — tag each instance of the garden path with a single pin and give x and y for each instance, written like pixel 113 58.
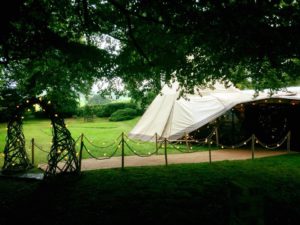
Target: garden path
pixel 196 157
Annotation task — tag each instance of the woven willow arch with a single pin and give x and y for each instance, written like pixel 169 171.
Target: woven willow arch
pixel 62 156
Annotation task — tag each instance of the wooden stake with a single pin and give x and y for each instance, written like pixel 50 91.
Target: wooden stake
pixel 156 144
pixel 80 151
pixel 209 150
pixel 32 151
pixel 123 152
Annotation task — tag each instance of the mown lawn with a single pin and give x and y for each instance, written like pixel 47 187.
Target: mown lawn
pixel 263 191
pixel 103 138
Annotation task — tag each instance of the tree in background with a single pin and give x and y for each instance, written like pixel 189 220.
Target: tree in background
pixel 97 99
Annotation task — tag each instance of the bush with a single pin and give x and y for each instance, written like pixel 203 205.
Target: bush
pixel 108 109
pixel 123 114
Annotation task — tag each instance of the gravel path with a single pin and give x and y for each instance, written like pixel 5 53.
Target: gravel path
pixel 196 157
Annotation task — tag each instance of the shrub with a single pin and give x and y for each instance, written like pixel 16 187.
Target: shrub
pixel 108 109
pixel 123 114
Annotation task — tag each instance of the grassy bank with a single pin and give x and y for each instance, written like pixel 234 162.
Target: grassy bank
pixel 263 191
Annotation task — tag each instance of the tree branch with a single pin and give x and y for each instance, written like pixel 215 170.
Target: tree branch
pixel 130 30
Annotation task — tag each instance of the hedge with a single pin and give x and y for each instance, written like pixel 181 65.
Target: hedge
pixel 123 114
pixel 108 109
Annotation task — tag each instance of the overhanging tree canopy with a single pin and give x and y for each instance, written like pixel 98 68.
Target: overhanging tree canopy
pixel 199 39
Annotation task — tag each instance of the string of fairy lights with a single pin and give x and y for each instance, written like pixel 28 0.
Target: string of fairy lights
pixel 179 145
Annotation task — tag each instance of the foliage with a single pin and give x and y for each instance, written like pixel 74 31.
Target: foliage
pixel 97 100
pixel 108 109
pixel 65 105
pixel 46 44
pixel 123 114
pixel 9 99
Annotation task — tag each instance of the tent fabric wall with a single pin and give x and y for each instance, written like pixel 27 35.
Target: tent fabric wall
pixel 171 116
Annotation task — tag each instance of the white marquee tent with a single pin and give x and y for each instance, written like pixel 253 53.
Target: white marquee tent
pixel 171 117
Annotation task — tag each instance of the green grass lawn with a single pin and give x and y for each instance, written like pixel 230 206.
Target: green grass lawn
pixel 263 191
pixel 100 133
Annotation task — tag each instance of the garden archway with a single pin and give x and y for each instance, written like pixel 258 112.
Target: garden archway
pixel 62 156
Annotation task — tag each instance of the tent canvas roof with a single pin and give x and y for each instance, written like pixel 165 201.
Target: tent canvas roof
pixel 171 117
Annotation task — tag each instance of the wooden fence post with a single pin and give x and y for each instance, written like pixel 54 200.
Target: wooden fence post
pixel 156 144
pixel 252 145
pixel 123 152
pixel 209 150
pixel 166 154
pixel 80 151
pixel 32 151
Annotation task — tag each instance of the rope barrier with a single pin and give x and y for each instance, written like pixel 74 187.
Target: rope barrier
pixel 103 158
pixel 40 148
pixel 273 146
pixel 124 142
pixel 137 154
pixel 97 146
pixel 77 139
pixel 243 143
pixel 189 150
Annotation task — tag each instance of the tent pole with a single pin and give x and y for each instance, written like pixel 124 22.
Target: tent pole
pixel 186 141
pixel 217 136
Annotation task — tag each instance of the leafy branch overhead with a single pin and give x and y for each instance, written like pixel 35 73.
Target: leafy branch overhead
pixel 198 40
